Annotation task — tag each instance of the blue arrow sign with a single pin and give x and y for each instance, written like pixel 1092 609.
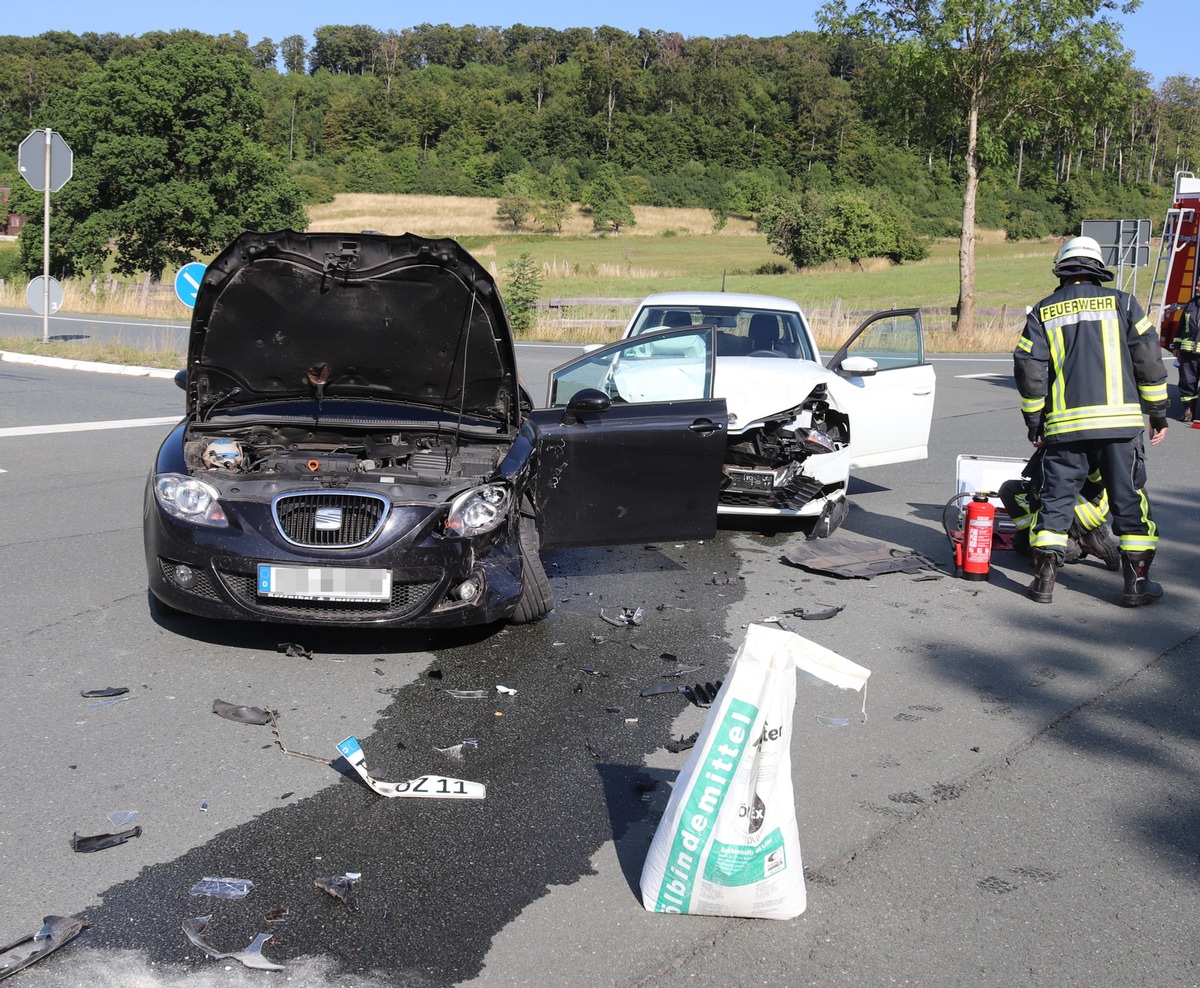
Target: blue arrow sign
pixel 187 283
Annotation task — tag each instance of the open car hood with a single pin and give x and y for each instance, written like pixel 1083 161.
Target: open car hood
pixel 291 315
pixel 759 388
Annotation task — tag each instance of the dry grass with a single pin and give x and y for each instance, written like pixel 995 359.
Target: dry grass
pixel 101 353
pixel 454 216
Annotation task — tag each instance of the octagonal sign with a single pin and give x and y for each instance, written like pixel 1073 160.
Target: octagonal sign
pixel 31 160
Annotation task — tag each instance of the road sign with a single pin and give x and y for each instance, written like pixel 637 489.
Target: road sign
pixel 31 160
pixel 187 283
pixel 44 295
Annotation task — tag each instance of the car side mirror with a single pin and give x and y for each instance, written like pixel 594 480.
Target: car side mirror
pixel 857 367
pixel 181 380
pixel 586 400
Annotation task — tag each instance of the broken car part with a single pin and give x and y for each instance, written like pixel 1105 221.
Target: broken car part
pixel 628 616
pixel 101 841
pixel 423 787
pixel 862 558
pixel 121 818
pixel 294 650
pixel 702 694
pixel 468 694
pixel 222 888
pixel 295 754
pixel 250 957
pixel 107 691
pixel 55 932
pixel 339 886
pixel 243 715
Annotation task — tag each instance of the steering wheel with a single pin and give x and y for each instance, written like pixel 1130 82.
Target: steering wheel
pixel 764 353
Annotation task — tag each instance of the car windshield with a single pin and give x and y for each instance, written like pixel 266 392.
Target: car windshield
pixel 741 332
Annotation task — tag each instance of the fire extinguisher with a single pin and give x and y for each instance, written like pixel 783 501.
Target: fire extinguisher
pixel 977 537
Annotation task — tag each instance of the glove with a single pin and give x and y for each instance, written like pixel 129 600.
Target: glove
pixel 1035 429
pixel 1158 422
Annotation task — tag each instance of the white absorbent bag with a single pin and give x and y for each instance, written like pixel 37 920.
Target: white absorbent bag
pixel 728 843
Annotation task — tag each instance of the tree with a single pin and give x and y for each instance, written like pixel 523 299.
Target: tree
pixel 166 167
pixel 815 228
pixel 983 63
pixel 516 200
pixel 610 210
pixel 294 50
pixel 522 291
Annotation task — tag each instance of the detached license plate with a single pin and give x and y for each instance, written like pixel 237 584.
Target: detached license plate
pixel 324 583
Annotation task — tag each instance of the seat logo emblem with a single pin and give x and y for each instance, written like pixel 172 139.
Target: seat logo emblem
pixel 329 519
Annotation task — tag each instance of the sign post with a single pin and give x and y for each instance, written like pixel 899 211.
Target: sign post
pixel 46 163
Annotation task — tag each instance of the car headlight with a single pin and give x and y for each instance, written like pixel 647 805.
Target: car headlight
pixel 479 510
pixel 189 499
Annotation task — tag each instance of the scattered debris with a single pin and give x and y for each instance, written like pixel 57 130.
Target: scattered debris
pixel 222 888
pixel 250 957
pixel 862 558
pixel 204 807
pixel 595 748
pixel 339 886
pixel 468 694
pixel 821 615
pixel 121 818
pixel 628 616
pixel 702 694
pixel 613 710
pixel 458 751
pixel 107 691
pixel 55 931
pixel 832 721
pixel 276 915
pixel 425 786
pixel 108 702
pixel 683 744
pixel 258 716
pixel 101 841
pixel 294 650
pixel 295 754
pixel 657 689
pixel 505 691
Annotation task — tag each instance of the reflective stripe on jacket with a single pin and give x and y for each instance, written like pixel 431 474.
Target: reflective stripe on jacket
pixel 1087 364
pixel 1187 337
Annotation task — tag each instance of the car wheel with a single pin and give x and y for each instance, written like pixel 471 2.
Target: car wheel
pixel 536 600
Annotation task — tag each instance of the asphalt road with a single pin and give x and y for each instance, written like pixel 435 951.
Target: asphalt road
pixel 1018 805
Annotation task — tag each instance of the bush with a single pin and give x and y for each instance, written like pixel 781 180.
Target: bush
pixel 522 292
pixel 10 264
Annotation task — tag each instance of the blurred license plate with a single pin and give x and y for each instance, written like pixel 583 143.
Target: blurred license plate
pixel 324 583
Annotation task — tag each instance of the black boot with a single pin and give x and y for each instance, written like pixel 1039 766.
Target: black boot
pixel 1139 588
pixel 1100 543
pixel 1045 569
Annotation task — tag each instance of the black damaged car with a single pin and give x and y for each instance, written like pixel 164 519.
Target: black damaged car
pixel 358 449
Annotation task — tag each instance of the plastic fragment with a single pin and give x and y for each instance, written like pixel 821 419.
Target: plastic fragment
pixel 822 615
pixel 506 691
pixel 832 721
pixel 101 841
pixel 425 786
pixel 628 616
pixel 702 694
pixel 657 689
pixel 108 703
pixel 683 744
pixel 107 691
pixel 595 748
pixel 222 888
pixel 468 694
pixel 122 818
pixel 276 915
pixel 243 715
pixel 339 886
pixel 294 650
pixel 55 931
pixel 250 957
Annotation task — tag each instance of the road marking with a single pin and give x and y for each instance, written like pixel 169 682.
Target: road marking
pixel 45 430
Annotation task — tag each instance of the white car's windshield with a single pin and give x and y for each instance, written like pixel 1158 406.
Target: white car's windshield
pixel 741 332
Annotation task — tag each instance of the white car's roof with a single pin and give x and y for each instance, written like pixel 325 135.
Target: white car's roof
pixel 745 301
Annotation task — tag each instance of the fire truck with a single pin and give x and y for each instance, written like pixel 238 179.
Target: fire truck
pixel 1175 271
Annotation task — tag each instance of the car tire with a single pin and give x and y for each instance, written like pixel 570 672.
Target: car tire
pixel 536 600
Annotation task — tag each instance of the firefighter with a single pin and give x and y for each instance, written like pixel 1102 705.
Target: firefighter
pixel 1089 534
pixel 1186 345
pixel 1087 363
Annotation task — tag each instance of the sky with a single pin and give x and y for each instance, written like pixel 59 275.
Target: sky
pixel 1152 31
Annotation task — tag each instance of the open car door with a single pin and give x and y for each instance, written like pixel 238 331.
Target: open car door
pixel 632 445
pixel 887 388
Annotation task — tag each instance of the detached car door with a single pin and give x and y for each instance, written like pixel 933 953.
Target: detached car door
pixel 887 389
pixel 632 445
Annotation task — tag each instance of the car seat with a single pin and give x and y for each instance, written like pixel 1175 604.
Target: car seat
pixel 763 331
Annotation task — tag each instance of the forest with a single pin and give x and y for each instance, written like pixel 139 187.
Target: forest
pixel 220 133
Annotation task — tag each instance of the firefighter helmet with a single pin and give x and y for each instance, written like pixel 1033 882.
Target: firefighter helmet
pixel 1082 248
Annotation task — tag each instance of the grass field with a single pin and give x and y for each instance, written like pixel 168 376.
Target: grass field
pixel 667 249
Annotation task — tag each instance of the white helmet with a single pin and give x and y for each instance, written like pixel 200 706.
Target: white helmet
pixel 1081 247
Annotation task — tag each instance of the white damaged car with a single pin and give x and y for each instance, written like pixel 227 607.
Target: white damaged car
pixel 796 426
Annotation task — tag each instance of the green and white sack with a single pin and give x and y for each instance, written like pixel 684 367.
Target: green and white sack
pixel 728 843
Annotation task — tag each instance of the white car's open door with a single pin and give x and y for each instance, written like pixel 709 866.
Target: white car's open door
pixel 887 388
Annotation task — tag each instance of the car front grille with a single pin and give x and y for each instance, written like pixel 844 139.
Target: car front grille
pixel 329 519
pixel 794 495
pixel 406 598
pixel 202 586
